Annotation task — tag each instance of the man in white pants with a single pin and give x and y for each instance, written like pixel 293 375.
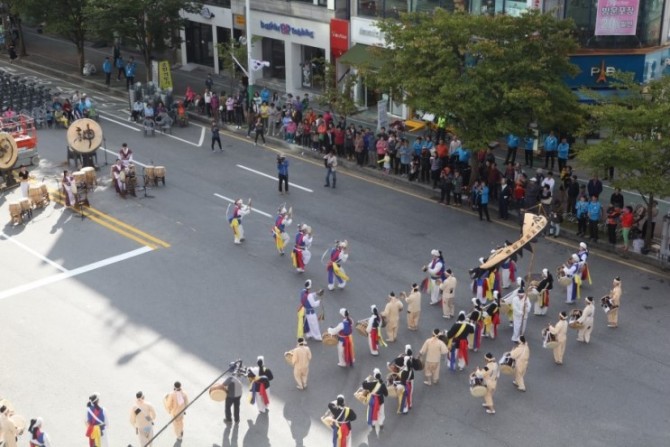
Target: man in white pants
pixel 435 269
pixel 307 310
pixel 520 310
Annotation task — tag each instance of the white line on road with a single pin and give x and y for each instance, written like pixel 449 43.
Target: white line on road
pixel 70 273
pixel 119 123
pixel 228 199
pixel 202 135
pixel 273 178
pixel 33 252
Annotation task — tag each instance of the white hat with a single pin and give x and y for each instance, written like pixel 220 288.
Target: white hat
pixel 261 358
pixel 519 280
pixel 408 348
pixel 308 284
pixel 282 210
pixel 545 272
pixel 533 179
pixel 376 371
pixel 343 244
pixel 481 260
pixel 343 311
pixel 493 251
pixel 582 245
pixel 496 293
pixel 476 302
pixel 434 252
pixel 373 307
pixel 575 258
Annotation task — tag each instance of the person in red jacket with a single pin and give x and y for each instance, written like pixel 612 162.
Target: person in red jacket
pixel 627 221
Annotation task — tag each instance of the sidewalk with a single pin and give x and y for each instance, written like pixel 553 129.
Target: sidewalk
pixel 57 57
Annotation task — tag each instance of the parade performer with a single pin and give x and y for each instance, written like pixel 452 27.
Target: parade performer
pixel 38 438
pixel 342 417
pixel 543 287
pixel 374 331
pixel 392 315
pixel 406 381
pixel 413 301
pixel 492 317
pixel 448 292
pixel 507 273
pixel 586 320
pixel 125 155
pixel 279 233
pixel 378 393
pixel 260 377
pixel 96 422
pixel 308 320
pixel 8 429
pixel 338 256
pixel 345 346
pixel 119 176
pixel 435 269
pixel 560 331
pixel 301 254
pixel 476 320
pixel 433 348
pixel 493 284
pixel 175 403
pixel 301 355
pixel 520 354
pixel 480 284
pixel 457 342
pixel 490 374
pixel 70 188
pixel 520 311
pixel 235 219
pixel 571 271
pixel 583 255
pixel 615 300
pixel 509 299
pixel 142 417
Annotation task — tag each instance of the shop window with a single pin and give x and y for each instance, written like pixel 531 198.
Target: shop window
pixel 222 3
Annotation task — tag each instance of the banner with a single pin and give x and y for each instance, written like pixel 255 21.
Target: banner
pixel 382 114
pixel 617 17
pixel 164 75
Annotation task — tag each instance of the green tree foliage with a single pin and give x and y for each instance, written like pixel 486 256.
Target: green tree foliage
pixel 490 75
pixel 338 94
pixel 66 18
pixel 637 144
pixel 149 25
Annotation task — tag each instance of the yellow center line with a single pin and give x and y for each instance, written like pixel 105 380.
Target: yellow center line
pixel 116 225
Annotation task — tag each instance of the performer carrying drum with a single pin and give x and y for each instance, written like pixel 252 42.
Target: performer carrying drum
pixel 70 188
pixel 37 436
pixel 340 420
pixel 375 406
pixel 541 305
pixel 260 377
pixel 119 177
pixel 308 321
pixel 301 254
pixel 520 354
pixel 125 155
pixel 345 345
pixel 435 270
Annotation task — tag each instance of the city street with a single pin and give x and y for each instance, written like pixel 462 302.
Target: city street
pixel 149 290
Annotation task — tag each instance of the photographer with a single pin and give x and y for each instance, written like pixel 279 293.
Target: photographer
pixel 282 172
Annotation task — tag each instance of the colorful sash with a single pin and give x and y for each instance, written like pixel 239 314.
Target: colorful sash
pixel 258 389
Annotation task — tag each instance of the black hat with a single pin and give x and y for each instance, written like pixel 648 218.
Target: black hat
pixel 177 385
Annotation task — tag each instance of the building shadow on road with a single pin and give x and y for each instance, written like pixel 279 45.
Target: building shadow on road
pixel 297 416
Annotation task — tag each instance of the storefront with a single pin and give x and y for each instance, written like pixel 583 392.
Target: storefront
pixel 293 47
pixel 202 33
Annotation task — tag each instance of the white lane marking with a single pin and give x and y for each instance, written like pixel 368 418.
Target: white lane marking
pixel 273 178
pixel 119 123
pixel 33 252
pixel 228 199
pixel 202 135
pixel 70 273
pixel 117 154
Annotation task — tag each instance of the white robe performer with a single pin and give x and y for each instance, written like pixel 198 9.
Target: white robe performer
pixel 520 311
pixel 541 305
pixel 308 320
pixel 435 269
pixel 119 176
pixel 301 254
pixel 68 182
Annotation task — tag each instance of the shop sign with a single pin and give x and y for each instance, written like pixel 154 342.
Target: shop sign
pixel 339 37
pixel 616 17
pixel 597 70
pixel 239 20
pixel 287 29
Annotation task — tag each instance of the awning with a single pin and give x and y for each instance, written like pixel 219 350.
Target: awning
pixel 360 56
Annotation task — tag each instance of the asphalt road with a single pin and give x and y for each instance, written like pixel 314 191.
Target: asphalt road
pixel 157 292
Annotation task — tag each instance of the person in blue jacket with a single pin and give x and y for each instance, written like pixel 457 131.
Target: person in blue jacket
pixel 483 201
pixel 563 153
pixel 512 146
pixel 550 146
pixel 131 68
pixel 594 211
pixel 581 212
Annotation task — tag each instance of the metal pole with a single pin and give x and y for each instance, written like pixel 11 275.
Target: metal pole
pixel 250 71
pixel 231 368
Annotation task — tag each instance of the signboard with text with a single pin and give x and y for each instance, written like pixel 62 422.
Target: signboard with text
pixel 164 75
pixel 617 17
pixel 339 37
pixel 382 114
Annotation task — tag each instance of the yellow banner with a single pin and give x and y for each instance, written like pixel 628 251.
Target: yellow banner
pixel 164 75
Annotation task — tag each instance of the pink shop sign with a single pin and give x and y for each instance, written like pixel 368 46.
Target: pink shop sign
pixel 617 17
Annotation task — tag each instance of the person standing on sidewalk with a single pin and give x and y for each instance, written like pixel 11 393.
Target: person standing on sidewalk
pixel 131 68
pixel 594 211
pixel 216 138
pixel 512 146
pixel 120 67
pixel 331 168
pixel 550 147
pixel 563 154
pixel 107 69
pixel 260 130
pixel 282 172
pixel 483 202
pixel 528 150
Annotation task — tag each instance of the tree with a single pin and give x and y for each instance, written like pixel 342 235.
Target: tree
pixel 66 18
pixel 637 144
pixel 490 75
pixel 337 94
pixel 231 54
pixel 149 25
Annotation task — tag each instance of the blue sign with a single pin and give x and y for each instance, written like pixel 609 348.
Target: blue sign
pixel 597 70
pixel 287 29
